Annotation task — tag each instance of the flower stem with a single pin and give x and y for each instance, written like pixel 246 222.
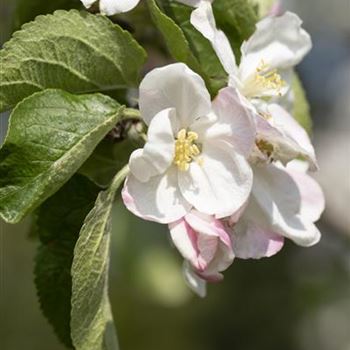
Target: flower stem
pixel 131 113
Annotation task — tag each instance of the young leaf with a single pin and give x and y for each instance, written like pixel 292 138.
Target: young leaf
pixel 92 324
pixel 301 108
pixel 200 47
pixel 51 134
pixel 174 38
pixel 58 223
pixel 237 19
pixel 74 51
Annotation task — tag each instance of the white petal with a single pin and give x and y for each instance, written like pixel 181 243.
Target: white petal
pixel 158 200
pixel 174 86
pixel 111 7
pixel 88 3
pixel 235 124
pixel 197 284
pixel 204 21
pixel 278 197
pixel 219 185
pixel 158 153
pixel 254 242
pixel 295 139
pixel 312 197
pixel 298 165
pixel 234 218
pixel 141 167
pixel 279 41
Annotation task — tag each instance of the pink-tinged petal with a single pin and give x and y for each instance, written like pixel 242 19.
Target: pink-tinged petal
pixel 186 241
pixel 174 86
pixel 218 184
pixel 253 242
pixel 235 123
pixel 158 200
pixel 203 20
pixel 158 153
pixel 111 7
pixel 199 243
pixel 204 243
pixel 207 249
pixel 219 256
pixel 211 278
pixel 294 139
pixel 312 197
pixel 196 248
pixel 279 42
pixel 208 225
pixel 194 282
pixel 276 9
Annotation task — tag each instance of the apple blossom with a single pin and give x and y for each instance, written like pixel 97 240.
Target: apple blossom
pixel 112 7
pixel 263 78
pixel 206 247
pixel 285 202
pixel 195 153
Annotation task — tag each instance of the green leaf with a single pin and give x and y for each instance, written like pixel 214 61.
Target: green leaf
pixel 58 223
pixel 175 39
pixel 237 19
pixel 74 51
pixel 214 73
pixel 92 323
pixel 51 134
pixel 301 108
pixel 27 10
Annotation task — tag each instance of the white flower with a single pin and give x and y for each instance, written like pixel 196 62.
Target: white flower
pixel 195 153
pixel 206 247
pixel 111 7
pixel 285 202
pixel 263 77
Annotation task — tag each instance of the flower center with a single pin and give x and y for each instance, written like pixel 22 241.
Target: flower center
pixel 264 82
pixel 269 79
pixel 185 149
pixel 265 147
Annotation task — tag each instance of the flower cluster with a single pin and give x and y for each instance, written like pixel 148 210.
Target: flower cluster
pixel 228 176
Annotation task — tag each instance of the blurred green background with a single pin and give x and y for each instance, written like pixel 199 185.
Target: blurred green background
pixel 297 300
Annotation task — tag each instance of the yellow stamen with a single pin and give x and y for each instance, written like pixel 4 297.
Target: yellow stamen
pixel 185 149
pixel 268 79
